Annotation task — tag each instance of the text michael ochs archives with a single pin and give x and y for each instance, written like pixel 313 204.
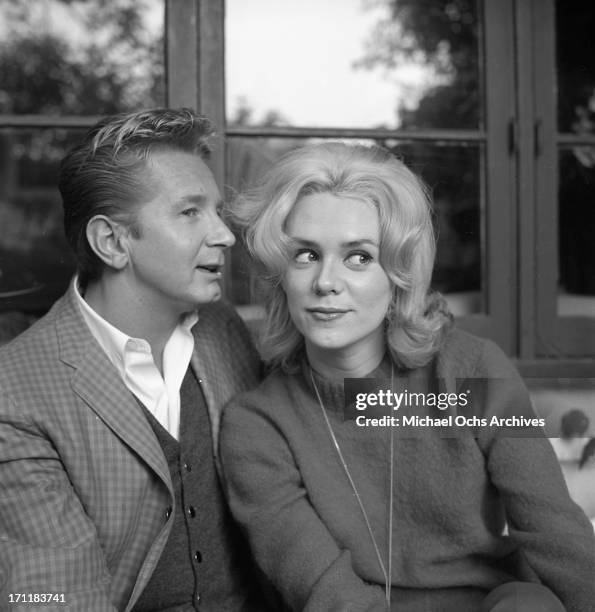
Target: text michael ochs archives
pixel 423 404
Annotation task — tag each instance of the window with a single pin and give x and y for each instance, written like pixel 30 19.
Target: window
pixel 491 101
pixel 564 137
pixel 427 84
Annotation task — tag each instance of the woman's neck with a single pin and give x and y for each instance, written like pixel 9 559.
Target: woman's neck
pixel 340 364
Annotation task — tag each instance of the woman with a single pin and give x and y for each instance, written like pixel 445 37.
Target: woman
pixel 345 517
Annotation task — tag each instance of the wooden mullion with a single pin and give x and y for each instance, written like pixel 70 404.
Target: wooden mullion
pixel 181 53
pixel 48 121
pixel 446 136
pixel 546 177
pixel 500 226
pixel 526 210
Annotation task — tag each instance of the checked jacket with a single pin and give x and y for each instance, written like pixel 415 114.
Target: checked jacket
pixel 84 486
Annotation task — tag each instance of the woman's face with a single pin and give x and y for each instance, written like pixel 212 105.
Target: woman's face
pixel 337 291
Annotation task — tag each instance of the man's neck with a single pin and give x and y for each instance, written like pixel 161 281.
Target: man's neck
pixel 114 300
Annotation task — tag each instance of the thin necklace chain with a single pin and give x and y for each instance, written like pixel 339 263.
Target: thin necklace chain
pixel 386 573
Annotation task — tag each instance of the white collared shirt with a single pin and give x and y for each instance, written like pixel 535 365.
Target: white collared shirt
pixel 133 359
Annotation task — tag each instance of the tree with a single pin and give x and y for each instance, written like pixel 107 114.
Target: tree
pixel 441 36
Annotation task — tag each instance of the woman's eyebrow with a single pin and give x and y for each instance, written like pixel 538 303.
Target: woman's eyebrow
pixel 360 242
pixel 347 245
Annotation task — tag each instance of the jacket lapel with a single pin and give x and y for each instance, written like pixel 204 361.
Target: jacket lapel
pixel 96 381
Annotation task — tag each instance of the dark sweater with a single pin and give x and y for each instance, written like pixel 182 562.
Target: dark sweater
pixel 287 487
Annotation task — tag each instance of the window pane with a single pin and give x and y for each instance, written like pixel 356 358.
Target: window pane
pixel 35 260
pixel 80 57
pixel 353 63
pixel 577 232
pixel 453 174
pixel 576 114
pixel 575 51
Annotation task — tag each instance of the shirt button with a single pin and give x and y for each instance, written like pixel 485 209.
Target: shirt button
pixel 191 511
pixel 197 598
pixel 198 559
pixel 167 512
pixel 187 467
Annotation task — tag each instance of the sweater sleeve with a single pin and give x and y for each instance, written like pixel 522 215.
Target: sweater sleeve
pixel 551 531
pixel 289 541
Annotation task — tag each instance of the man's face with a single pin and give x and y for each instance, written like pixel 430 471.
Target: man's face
pixel 176 260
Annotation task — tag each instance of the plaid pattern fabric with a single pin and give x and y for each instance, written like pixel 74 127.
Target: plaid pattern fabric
pixel 84 485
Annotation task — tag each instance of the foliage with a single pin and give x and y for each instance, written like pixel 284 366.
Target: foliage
pixel 98 59
pixel 441 35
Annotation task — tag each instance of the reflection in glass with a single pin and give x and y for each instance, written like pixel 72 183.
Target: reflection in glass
pixel 452 172
pixel 577 231
pixel 35 260
pixel 81 57
pixel 575 23
pixel 351 63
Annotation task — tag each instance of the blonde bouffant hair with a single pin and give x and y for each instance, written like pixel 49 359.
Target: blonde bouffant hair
pixel 417 318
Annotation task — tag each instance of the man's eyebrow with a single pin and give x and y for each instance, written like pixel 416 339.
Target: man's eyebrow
pixel 199 199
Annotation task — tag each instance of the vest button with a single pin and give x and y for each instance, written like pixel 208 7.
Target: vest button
pixel 168 512
pixel 187 467
pixel 191 511
pixel 198 557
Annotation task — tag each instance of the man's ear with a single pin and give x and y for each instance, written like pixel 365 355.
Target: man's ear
pixel 107 239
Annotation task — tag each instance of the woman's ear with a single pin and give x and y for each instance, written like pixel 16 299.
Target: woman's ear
pixel 105 237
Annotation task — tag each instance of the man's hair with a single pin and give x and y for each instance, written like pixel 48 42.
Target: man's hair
pixel 106 173
pixel 417 319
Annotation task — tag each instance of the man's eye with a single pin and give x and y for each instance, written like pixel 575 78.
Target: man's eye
pixel 190 212
pixel 305 256
pixel 359 260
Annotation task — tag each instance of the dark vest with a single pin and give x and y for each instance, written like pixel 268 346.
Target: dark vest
pixel 204 565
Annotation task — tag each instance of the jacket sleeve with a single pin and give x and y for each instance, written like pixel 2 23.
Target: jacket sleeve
pixel 552 532
pixel 48 544
pixel 289 541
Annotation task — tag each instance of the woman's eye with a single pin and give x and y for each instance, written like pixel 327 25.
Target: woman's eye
pixel 305 256
pixel 359 259
pixel 190 212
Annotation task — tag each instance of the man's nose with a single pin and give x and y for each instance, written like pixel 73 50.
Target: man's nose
pixel 220 235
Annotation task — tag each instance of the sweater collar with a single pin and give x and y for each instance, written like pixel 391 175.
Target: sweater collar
pixel 332 392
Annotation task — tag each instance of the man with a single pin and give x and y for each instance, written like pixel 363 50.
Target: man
pixel 110 404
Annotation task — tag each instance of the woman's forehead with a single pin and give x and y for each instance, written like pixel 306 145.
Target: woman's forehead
pixel 330 212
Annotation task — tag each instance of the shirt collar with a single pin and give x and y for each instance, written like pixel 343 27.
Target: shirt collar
pixel 113 341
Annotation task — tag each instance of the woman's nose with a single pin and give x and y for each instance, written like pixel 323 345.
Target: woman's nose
pixel 328 279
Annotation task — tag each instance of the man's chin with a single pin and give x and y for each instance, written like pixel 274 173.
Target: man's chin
pixel 208 297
